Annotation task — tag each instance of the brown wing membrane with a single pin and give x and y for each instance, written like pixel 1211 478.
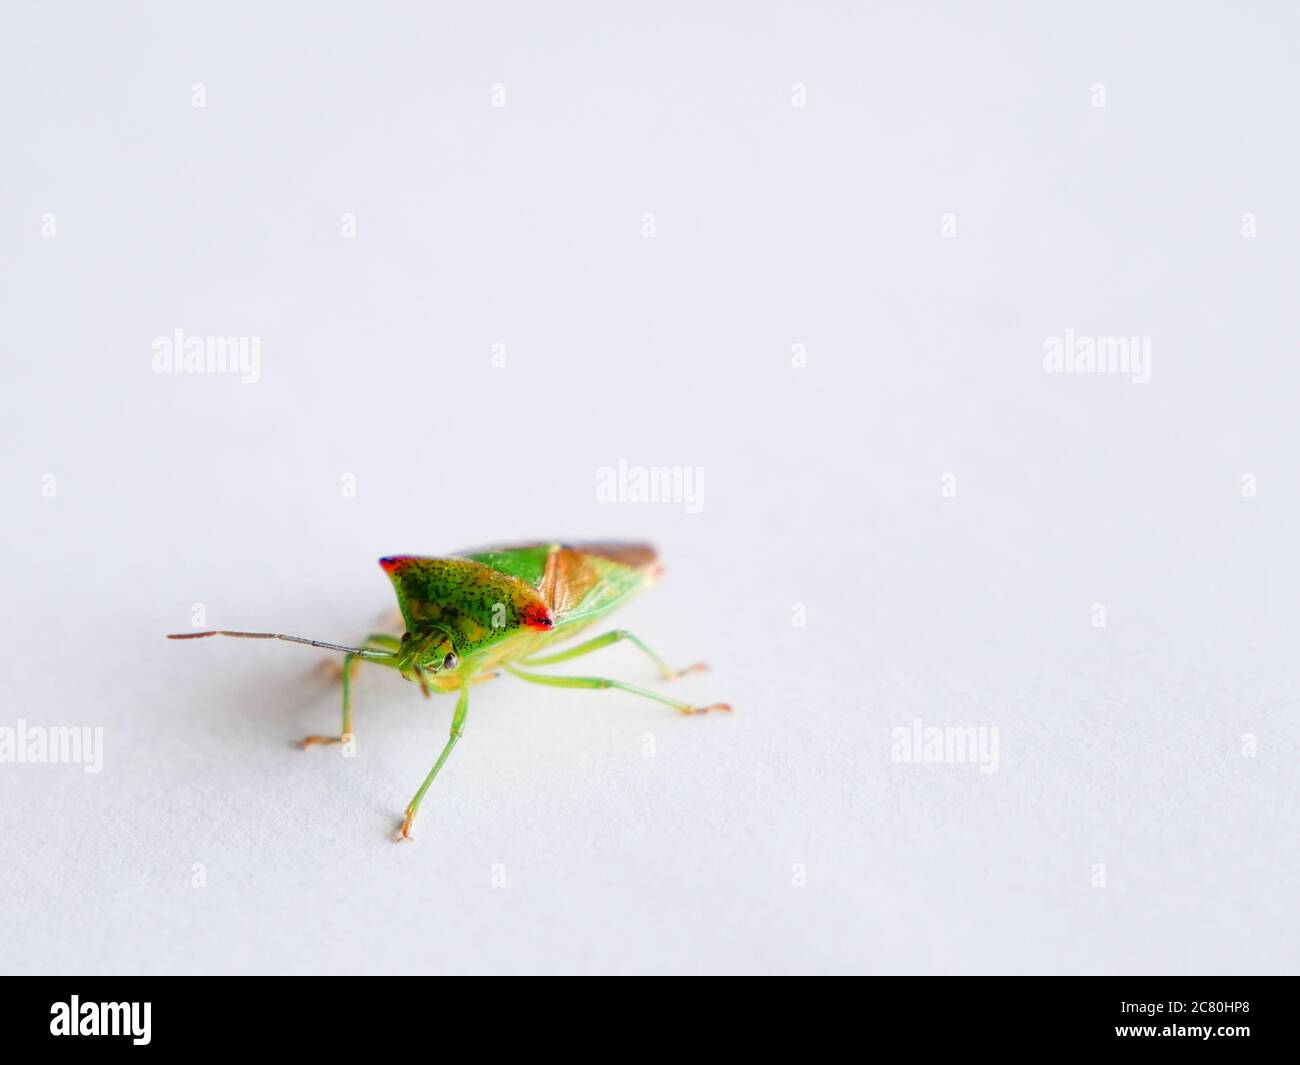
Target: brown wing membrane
pixel 638 556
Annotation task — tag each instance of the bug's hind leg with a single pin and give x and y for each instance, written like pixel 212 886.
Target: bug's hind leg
pixel 377 640
pixel 457 726
pixel 605 682
pixel 611 637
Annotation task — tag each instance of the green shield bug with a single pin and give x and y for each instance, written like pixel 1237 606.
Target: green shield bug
pixel 470 615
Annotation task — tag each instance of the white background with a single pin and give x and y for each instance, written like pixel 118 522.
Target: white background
pixel 774 226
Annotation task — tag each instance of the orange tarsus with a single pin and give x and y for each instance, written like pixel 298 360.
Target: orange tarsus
pixel 698 667
pixel 312 741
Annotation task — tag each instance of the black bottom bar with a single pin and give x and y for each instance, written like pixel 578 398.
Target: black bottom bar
pixel 1226 1015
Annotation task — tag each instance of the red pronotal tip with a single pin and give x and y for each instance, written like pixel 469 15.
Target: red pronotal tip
pixel 536 617
pixel 392 562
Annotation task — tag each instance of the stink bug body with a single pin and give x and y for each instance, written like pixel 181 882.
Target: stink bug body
pixel 468 616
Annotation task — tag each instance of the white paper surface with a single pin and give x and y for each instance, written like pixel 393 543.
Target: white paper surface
pixel 944 516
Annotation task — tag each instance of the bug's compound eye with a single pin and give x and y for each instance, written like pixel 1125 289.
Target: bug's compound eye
pixel 451 661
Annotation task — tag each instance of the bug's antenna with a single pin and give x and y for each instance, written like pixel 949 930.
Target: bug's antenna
pixel 363 652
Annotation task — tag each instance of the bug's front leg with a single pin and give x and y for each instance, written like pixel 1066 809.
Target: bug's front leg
pixel 377 640
pixel 457 726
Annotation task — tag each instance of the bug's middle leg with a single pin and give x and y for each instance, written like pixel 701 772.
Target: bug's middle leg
pixel 378 640
pixel 605 682
pixel 611 637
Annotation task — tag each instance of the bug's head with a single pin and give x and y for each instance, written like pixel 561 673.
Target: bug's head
pixel 425 655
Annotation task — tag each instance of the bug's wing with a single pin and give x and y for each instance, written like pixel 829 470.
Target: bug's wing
pixel 477 603
pixel 641 557
pixel 576 581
